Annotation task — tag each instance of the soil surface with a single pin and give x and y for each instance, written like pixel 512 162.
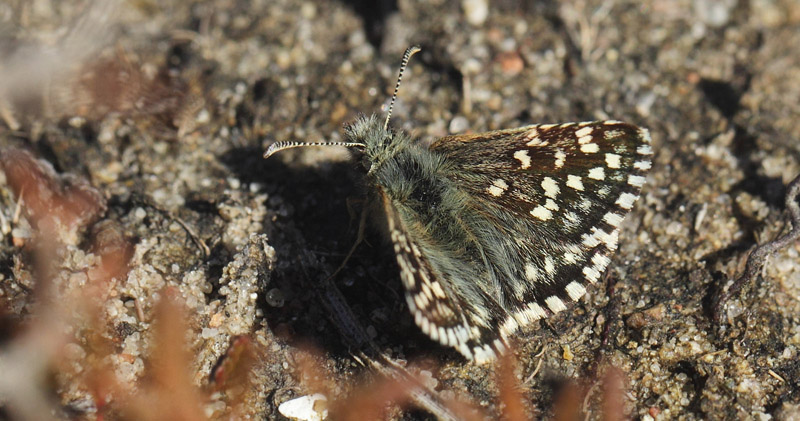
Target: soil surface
pixel 142 125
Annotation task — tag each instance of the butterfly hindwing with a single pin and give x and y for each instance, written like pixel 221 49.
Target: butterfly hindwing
pixel 441 313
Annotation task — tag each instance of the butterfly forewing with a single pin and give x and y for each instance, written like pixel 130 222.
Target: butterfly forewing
pixel 541 211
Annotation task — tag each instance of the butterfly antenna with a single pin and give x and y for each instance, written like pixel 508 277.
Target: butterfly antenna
pixel 279 146
pixel 409 52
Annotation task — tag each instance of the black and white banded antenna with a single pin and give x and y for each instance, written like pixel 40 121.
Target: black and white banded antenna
pixel 279 146
pixel 410 51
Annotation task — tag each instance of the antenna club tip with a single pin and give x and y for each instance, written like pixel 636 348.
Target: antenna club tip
pixel 275 147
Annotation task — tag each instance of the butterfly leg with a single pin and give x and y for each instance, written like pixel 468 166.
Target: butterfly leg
pixel 362 224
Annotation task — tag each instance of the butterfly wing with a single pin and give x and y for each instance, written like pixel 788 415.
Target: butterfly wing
pixel 441 312
pixel 538 215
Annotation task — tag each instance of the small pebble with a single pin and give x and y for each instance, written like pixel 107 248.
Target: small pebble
pixel 476 11
pixel 305 408
pixel 459 124
pixel 275 298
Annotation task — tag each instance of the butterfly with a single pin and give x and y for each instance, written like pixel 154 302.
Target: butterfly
pixel 493 231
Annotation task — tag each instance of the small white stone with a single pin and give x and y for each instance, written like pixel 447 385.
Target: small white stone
pixel 305 408
pixel 459 124
pixel 476 11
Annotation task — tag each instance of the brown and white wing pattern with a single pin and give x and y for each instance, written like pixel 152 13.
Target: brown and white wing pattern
pixel 538 216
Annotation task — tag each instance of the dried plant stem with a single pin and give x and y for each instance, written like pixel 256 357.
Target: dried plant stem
pixel 759 256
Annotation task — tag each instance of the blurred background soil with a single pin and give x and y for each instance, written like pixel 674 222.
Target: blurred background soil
pixel 132 135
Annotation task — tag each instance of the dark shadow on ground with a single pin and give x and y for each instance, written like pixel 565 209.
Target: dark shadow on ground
pixel 313 241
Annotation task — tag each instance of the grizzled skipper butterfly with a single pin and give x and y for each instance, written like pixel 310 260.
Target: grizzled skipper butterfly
pixel 495 230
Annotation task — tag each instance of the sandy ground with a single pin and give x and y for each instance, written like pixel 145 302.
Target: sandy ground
pixel 166 107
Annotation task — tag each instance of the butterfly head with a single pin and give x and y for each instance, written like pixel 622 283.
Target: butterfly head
pixel 377 139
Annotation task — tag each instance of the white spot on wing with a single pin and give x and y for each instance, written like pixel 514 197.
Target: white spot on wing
pixel 584 131
pixel 626 200
pixel 498 187
pixel 427 291
pixel 591 274
pixel 613 219
pixel 550 187
pixel 484 354
pixel 642 165
pixel 597 173
pixel 423 323
pixel 549 267
pixel 437 290
pixel 561 158
pixel 646 136
pixel 420 301
pixel 465 351
pixel 555 304
pixel 636 180
pixel 542 213
pixel 612 134
pixel 411 305
pixel 590 241
pixel 610 240
pixel 613 160
pixel 509 326
pixel 575 182
pixel 532 136
pixel 531 313
pixel 524 159
pixel 531 272
pixel 451 337
pixel 600 261
pixel 572 218
pixel 590 148
pixel 575 290
pixel 535 141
